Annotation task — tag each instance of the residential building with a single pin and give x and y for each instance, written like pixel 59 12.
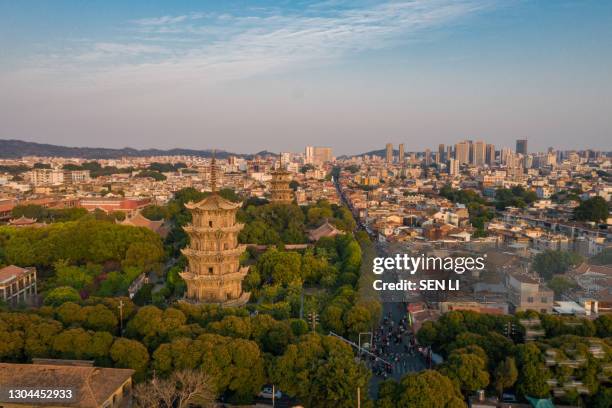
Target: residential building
pixel 526 293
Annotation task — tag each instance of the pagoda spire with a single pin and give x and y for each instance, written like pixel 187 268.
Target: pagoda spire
pixel 213 173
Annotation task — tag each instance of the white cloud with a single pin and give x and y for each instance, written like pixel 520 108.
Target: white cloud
pixel 206 47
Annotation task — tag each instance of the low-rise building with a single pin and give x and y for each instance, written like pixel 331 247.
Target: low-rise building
pixel 526 293
pixel 17 284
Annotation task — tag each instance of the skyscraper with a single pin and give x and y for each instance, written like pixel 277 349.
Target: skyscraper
pixel 480 153
pixel 462 152
pixel 490 154
pixel 427 157
pixel 449 153
pixel 521 146
pixel 389 153
pixel 401 153
pixel 441 152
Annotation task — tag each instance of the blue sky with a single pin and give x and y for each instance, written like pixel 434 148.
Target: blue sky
pixel 246 76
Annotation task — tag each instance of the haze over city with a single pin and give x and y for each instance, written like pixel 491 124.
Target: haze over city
pixel 346 74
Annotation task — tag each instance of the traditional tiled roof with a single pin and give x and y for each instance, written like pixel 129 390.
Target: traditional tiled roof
pixel 92 385
pixel 325 230
pixel 139 220
pixel 213 202
pixel 588 268
pixel 23 220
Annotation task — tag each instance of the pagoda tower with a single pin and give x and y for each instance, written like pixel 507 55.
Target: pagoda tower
pixel 214 274
pixel 280 192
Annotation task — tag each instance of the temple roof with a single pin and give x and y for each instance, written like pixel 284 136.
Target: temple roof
pixel 92 385
pixel 213 202
pixel 325 230
pixel 139 220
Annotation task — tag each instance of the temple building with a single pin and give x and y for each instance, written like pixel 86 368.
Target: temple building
pixel 280 192
pixel 214 274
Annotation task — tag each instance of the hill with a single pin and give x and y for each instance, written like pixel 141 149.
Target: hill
pixel 10 149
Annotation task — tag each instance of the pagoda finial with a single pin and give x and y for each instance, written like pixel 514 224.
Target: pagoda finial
pixel 213 173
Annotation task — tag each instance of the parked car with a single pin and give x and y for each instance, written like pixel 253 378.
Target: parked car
pixel 266 392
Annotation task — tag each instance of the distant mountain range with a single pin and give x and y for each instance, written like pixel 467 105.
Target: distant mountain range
pixel 13 149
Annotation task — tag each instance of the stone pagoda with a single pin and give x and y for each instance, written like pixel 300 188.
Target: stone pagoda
pixel 280 192
pixel 214 274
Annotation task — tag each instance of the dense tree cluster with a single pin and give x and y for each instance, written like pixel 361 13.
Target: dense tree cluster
pixel 485 351
pixel 550 263
pixel 97 170
pixel 238 351
pixel 87 255
pixel 288 224
pixel 320 280
pixel 594 209
pixel 515 197
pixel 42 214
pixel 155 175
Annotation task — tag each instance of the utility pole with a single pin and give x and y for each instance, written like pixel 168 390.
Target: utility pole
pixel 358 397
pixel 120 307
pixel 314 320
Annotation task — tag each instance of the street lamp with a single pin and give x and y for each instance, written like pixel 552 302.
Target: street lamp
pixel 370 344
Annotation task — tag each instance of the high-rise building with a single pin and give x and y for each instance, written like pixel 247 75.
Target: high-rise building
pixel 213 273
pixel 400 158
pixel 490 159
pixel 521 146
pixel 389 153
pixel 480 153
pixel 441 152
pixel 437 159
pixel 427 157
pixel 471 152
pixel 318 154
pixel 462 152
pixel 449 153
pixel 453 167
pixel 505 155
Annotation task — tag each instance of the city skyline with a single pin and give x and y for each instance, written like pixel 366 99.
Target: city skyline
pixel 278 76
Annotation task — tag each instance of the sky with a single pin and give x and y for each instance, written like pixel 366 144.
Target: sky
pixel 245 76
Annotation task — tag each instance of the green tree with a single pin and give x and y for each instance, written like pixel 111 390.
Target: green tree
pixel 99 318
pixel 127 353
pixel 154 212
pixel 506 375
pixel 429 389
pixel 550 263
pixel 594 209
pixel 560 284
pixel 73 276
pixel 62 294
pixel 467 370
pixel 533 372
pixel 311 368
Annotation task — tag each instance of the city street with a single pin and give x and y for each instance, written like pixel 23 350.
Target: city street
pixel 393 340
